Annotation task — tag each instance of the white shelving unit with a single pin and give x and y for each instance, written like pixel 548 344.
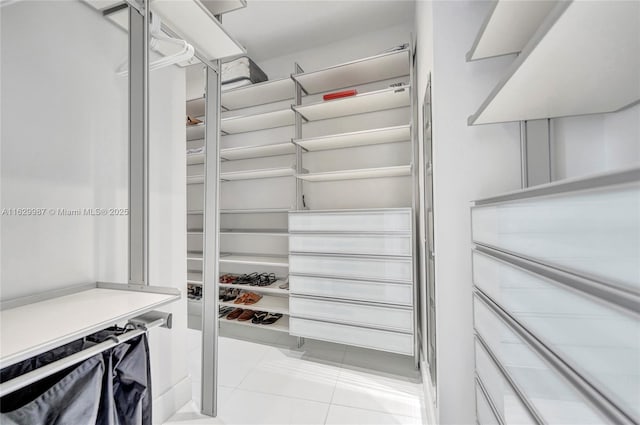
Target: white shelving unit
pixel 194 255
pixel 256 211
pixel 269 303
pixel 255 232
pixel 195 158
pixel 195 107
pixel 379 100
pixel 197 179
pixel 563 68
pixel 258 174
pixel 247 152
pixel 508 27
pixel 357 138
pixel 258 94
pixel 220 7
pixel 282 325
pixel 273 289
pixel 255 122
pixel 254 259
pixel 375 68
pixel 366 173
pixel 195 132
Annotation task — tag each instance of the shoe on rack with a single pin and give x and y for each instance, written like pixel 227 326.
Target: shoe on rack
pixel 247 315
pixel 235 314
pixel 266 279
pixel 192 121
pixel 224 310
pixel 251 298
pixel 259 317
pixel 271 318
pixel 247 279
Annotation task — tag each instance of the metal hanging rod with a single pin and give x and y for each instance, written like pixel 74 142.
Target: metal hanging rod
pixel 142 323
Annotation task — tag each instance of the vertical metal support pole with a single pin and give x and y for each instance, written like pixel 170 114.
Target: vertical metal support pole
pixel 552 152
pixel 211 249
pixel 415 207
pixel 524 162
pixel 139 145
pixel 297 69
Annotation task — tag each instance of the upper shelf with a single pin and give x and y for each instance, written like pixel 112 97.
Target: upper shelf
pixel 508 27
pixel 375 68
pixel 263 121
pixel 357 138
pixel 584 59
pixel 262 173
pixel 362 173
pixel 389 98
pixel 196 107
pixel 258 151
pixel 34 325
pixel 258 94
pixel 219 7
pixel 192 21
pixel 195 132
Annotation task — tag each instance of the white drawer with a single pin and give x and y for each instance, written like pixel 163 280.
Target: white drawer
pixel 505 400
pixel 484 413
pixel 392 220
pixel 365 268
pixel 352 335
pixel 397 319
pixel 364 244
pixel 390 293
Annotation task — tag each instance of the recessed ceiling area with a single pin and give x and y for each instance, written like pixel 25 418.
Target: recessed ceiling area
pixel 272 28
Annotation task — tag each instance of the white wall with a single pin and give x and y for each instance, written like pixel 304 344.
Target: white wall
pixel 469 163
pixel 64 144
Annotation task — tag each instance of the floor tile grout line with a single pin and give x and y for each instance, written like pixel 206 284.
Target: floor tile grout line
pixel 344 355
pixel 378 411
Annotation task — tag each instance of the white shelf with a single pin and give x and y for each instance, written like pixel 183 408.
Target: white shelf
pixel 257 174
pixel 376 68
pixel 195 212
pixel 264 121
pixel 257 211
pixel 195 132
pixel 190 20
pixel 582 60
pixel 196 107
pixel 282 325
pixel 380 100
pixel 377 136
pixel 246 152
pixel 271 289
pixel 195 158
pixel 194 256
pixel 258 94
pixel 195 179
pixel 219 7
pixel 269 303
pixel 34 325
pixel 255 232
pixel 255 259
pixel 364 173
pixel 194 282
pixel 508 27
pixel 195 232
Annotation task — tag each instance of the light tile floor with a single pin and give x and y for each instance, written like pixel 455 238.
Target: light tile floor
pixel 265 379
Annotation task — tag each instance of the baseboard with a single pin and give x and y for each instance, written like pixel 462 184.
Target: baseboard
pixel 430 405
pixel 167 404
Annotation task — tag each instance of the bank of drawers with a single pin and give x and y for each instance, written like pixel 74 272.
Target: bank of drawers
pixel 351 277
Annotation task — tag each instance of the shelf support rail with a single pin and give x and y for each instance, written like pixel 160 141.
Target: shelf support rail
pixel 142 324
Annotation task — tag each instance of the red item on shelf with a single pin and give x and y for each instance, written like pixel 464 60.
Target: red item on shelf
pixel 339 94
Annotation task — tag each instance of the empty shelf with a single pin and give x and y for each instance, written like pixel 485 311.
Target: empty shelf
pixel 380 100
pixel 376 68
pixel 194 282
pixel 195 212
pixel 219 7
pixel 258 94
pixel 195 179
pixel 256 211
pixel 195 132
pixel 195 158
pixel 508 27
pixel 282 325
pixel 194 255
pixel 358 138
pixel 274 288
pixel 257 174
pixel 195 107
pixel 268 303
pixel 255 259
pixel 364 173
pixel 191 21
pixel 570 56
pixel 264 121
pixel 195 232
pixel 262 232
pixel 258 151
pixel 34 325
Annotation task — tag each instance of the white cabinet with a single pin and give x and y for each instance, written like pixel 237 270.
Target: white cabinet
pixel 352 244
pixel 373 268
pixel 382 220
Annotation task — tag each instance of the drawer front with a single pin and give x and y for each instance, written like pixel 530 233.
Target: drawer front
pixel 396 319
pixel 352 335
pixel 555 399
pixel 390 293
pixel 395 270
pixel 484 413
pixel 505 400
pixel 394 220
pixel 399 245
pixel 592 233
pixel 571 325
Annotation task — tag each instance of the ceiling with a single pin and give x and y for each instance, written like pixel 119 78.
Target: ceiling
pixel 272 28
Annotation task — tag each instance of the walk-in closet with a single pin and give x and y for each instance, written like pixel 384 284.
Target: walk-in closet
pixel 319 212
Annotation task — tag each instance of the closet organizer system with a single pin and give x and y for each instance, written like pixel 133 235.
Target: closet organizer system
pixel 321 194
pixel 555 266
pixel 58 370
